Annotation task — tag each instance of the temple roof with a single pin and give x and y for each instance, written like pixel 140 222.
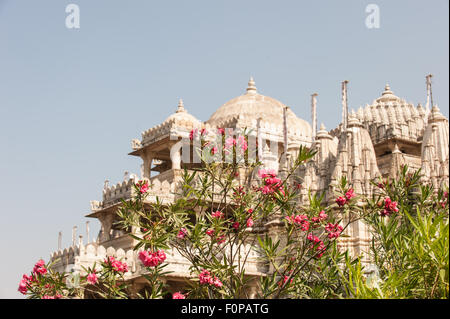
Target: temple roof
pixel 253 106
pixel 182 115
pixel 390 109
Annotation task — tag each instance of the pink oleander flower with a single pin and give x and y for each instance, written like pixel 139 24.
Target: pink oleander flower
pixel 182 233
pixel 285 279
pixel 341 201
pixel 143 186
pixel 24 284
pixel 322 215
pixel 216 282
pixel 92 278
pixel 349 194
pixel 241 141
pixel 317 244
pixel 390 205
pixel 221 131
pixel 210 232
pixel 267 190
pixel 217 214
pixel 39 268
pixel 315 219
pixel 264 173
pixel 235 225
pixel 313 238
pixel 230 142
pixel 178 295
pixel 249 222
pixel 214 150
pixel 152 259
pixel 205 277
pixel 117 265
pixel 300 220
pixel 334 230
pixel 250 211
pixel 193 134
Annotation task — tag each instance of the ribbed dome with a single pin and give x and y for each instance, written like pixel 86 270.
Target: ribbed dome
pixel 393 113
pixel 181 115
pixel 252 106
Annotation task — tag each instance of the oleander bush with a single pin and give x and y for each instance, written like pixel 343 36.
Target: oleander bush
pixel 221 211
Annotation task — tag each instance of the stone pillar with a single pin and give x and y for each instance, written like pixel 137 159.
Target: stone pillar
pixel 147 157
pixel 106 221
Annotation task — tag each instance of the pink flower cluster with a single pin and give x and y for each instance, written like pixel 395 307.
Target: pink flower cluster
pixel 25 284
pixel 182 233
pixel 334 230
pixel 143 186
pixel 178 295
pixel 322 216
pixel 117 265
pixel 389 207
pixel 39 268
pixel 264 173
pixel 271 182
pixel 152 259
pixel 219 238
pixel 317 244
pixel 92 278
pixel 342 200
pixel 301 220
pixel 218 214
pixel 206 278
pixel 241 142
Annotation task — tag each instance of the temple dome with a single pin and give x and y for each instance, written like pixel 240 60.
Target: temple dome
pixel 181 115
pixel 252 105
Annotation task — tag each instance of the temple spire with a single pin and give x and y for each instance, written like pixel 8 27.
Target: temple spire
pixel 180 106
pixel 314 115
pixel 429 104
pixel 59 240
pixel 251 89
pixel 344 105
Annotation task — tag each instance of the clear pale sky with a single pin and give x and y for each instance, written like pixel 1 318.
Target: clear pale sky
pixel 71 100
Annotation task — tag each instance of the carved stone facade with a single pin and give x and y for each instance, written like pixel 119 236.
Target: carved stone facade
pixel 372 142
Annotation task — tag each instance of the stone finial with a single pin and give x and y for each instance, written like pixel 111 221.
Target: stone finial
pixel 180 106
pixel 60 240
pixel 314 115
pixel 387 89
pixel 251 89
pixel 106 184
pixel 322 127
pixel 125 176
